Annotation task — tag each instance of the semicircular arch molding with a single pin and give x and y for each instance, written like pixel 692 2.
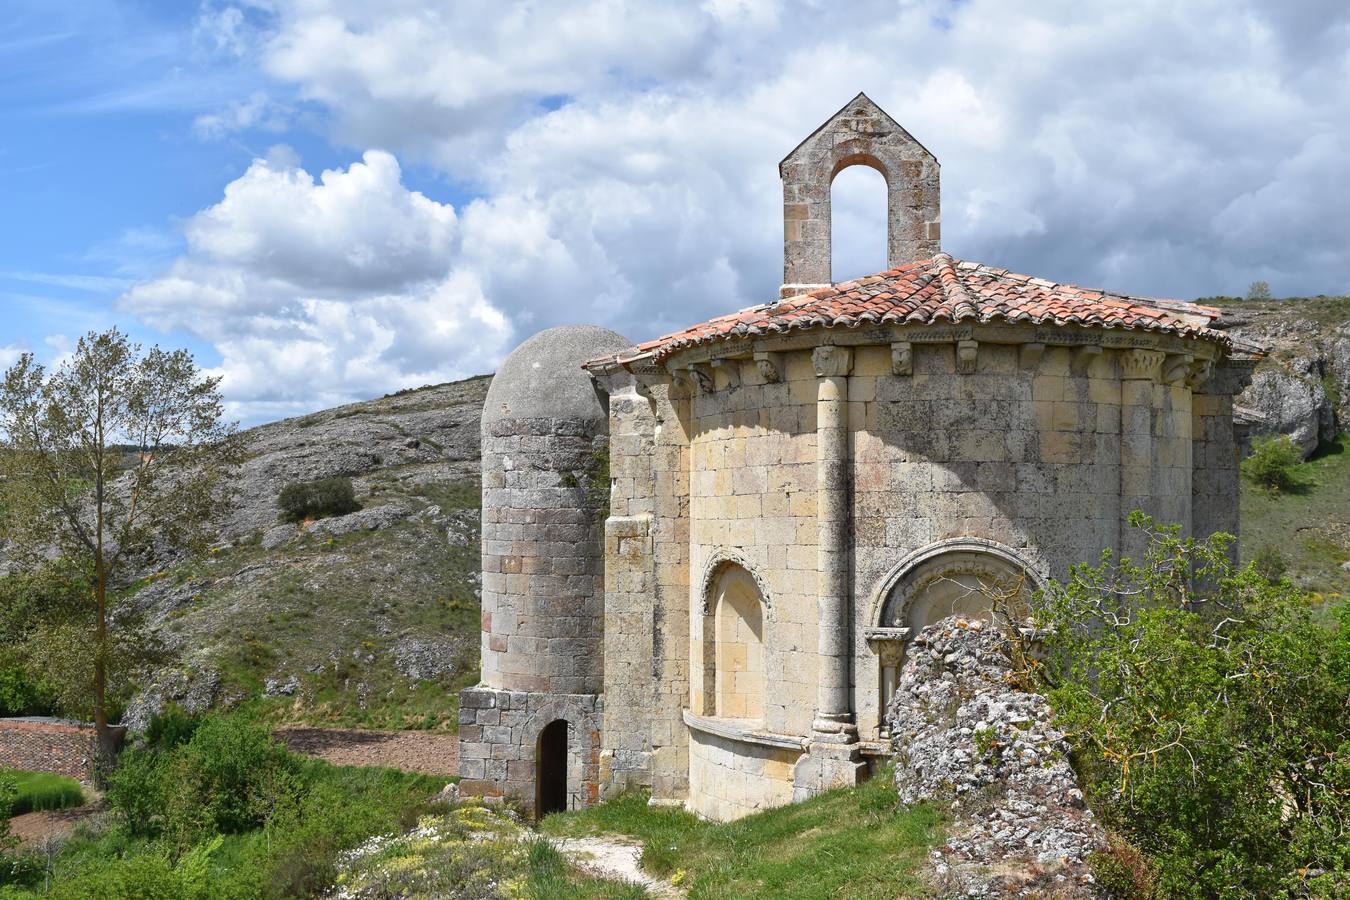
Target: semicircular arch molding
pixel 713 569
pixel 893 599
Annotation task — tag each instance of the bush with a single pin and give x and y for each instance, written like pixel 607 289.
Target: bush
pixel 317 499
pixel 1274 463
pixel 171 728
pixel 1206 707
pixel 230 777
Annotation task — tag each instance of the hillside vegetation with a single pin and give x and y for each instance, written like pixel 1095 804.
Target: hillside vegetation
pixel 367 618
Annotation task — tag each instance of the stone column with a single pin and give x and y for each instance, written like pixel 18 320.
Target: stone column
pixel 834 713
pixel 1216 448
pixel 1139 372
pixel 833 759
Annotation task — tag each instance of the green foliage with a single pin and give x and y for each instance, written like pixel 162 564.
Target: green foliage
pixel 856 842
pixel 1274 463
pixel 112 456
pixel 1258 290
pixel 41 791
pixel 229 777
pixel 1207 709
pixel 8 791
pixel 171 728
pixel 299 501
pixel 229 814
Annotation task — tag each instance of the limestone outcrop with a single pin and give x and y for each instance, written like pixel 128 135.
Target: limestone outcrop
pixel 967 739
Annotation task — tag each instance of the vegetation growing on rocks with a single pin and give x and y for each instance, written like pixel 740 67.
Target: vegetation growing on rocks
pixel 1207 707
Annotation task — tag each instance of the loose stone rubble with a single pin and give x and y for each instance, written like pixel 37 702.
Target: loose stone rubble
pixel 966 737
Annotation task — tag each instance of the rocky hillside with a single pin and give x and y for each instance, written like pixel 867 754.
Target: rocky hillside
pixel 367 618
pixel 1302 389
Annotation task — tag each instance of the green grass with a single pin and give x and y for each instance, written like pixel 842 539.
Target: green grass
pixel 39 791
pixel 1310 528
pixel 296 855
pixel 858 842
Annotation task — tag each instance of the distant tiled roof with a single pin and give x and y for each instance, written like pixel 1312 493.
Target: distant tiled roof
pixel 938 290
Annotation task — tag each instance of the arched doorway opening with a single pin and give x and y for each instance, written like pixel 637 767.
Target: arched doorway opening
pixel 859 224
pixel 551 769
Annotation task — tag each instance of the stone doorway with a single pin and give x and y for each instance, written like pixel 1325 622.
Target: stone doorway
pixel 551 769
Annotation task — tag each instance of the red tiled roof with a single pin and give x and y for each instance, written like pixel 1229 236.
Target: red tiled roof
pixel 938 290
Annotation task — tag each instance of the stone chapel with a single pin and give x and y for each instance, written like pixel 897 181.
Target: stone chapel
pixel 703 554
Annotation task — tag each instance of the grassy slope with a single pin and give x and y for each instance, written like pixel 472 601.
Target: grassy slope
pixel 858 840
pixel 1310 528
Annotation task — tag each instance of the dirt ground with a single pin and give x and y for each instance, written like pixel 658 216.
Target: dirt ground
pixel 33 828
pixel 412 751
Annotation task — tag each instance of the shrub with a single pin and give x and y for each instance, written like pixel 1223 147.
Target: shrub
pixel 1274 463
pixel 228 778
pixel 171 728
pixel 317 499
pixel 1206 707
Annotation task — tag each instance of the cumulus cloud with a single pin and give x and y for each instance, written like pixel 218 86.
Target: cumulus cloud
pixel 323 291
pixel 621 158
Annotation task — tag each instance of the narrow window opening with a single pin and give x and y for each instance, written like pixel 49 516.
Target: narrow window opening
pixel 858 223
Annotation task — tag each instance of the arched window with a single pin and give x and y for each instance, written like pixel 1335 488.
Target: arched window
pixel 737 613
pixel 858 226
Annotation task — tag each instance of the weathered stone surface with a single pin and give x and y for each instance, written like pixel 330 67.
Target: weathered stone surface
pixel 966 739
pixel 1293 401
pixel 370 519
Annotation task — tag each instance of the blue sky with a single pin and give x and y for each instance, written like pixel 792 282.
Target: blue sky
pixel 327 200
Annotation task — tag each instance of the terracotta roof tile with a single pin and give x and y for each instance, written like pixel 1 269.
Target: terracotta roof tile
pixel 941 289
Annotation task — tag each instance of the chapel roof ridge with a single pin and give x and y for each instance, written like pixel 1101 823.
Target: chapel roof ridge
pixel 942 289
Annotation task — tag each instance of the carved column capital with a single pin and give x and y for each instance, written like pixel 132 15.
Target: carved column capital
pixel 1141 364
pixel 831 361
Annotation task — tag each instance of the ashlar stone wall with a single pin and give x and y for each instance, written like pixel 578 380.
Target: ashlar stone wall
pixel 1037 442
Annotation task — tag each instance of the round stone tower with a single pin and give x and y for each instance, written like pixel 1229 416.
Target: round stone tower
pixel 530 729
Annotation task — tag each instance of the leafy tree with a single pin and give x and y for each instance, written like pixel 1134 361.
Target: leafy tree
pixel 114 457
pixel 1258 290
pixel 317 499
pixel 1274 463
pixel 1207 710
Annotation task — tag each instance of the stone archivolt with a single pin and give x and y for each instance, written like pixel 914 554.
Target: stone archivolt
pixel 859 454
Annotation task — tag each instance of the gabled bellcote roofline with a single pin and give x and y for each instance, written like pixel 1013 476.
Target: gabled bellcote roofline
pixel 839 112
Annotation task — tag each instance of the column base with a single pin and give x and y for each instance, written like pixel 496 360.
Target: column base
pixel 828 764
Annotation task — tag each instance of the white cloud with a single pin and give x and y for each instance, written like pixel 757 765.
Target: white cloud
pixel 621 159
pixel 321 292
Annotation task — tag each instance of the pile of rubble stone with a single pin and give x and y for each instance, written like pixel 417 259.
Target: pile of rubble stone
pixel 968 739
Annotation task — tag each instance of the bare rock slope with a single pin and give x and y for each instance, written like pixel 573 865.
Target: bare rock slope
pixel 1302 388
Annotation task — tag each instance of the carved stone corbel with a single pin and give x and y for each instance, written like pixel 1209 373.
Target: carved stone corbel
pixel 702 375
pixel 1083 357
pixel 1176 366
pixel 770 365
pixel 967 355
pixel 902 358
pixel 1199 372
pixel 1141 364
